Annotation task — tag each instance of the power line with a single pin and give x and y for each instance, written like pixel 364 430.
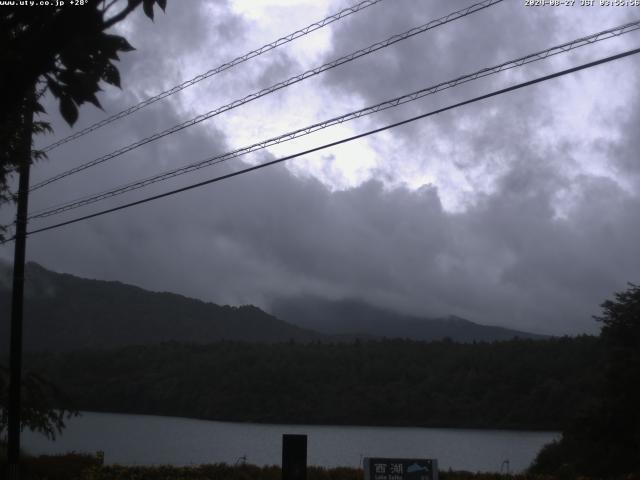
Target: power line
pixel 338 142
pixel 266 91
pixel 530 58
pixel 214 71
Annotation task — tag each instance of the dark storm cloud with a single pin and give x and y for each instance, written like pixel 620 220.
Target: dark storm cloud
pixel 509 258
pixel 543 267
pixel 486 38
pixel 624 150
pixel 269 234
pixel 445 52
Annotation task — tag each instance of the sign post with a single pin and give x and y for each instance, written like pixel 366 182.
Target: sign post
pixel 294 457
pixel 400 469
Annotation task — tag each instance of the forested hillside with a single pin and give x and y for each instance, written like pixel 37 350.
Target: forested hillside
pixel 515 384
pixel 65 312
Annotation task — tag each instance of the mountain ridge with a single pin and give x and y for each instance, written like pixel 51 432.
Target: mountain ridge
pixel 65 312
pixel 335 317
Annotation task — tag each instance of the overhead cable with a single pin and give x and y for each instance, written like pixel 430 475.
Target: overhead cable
pixel 214 71
pixel 266 91
pixel 338 142
pixel 524 60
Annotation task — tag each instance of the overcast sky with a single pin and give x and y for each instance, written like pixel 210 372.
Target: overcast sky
pixel 520 211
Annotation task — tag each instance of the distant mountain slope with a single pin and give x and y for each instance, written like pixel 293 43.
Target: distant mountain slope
pixel 64 312
pixel 358 318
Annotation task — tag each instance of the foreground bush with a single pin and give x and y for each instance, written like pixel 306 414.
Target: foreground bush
pixel 604 441
pixel 214 472
pixel 86 467
pixel 71 466
pixel 247 472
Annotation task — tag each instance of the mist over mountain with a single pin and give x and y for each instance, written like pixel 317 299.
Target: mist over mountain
pixel 337 317
pixel 64 312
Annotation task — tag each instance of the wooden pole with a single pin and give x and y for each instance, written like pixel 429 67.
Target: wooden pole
pixel 17 299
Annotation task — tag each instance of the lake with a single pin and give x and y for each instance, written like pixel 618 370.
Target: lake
pixel 152 440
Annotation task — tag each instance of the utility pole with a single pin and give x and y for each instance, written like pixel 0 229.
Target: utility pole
pixel 17 299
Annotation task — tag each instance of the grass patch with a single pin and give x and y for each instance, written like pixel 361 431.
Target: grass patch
pixel 70 466
pixel 74 466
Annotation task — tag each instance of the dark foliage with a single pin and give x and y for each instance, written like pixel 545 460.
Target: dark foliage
pixel 217 471
pixel 605 441
pixel 63 50
pixel 71 466
pixel 516 384
pixel 37 396
pixel 80 468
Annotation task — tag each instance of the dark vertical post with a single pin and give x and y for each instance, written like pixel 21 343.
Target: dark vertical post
pixel 15 355
pixel 294 457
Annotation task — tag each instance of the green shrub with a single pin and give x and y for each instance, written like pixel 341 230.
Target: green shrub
pixel 71 466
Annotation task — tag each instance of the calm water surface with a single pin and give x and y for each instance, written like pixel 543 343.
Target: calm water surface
pixel 150 440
